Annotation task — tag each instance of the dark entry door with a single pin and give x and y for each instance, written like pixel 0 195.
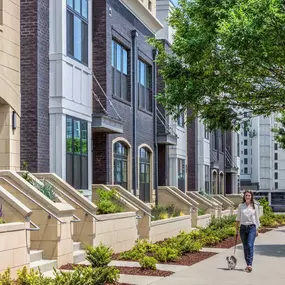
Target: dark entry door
pixel 144 175
pixel 181 174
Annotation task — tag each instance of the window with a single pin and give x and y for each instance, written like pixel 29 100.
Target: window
pixel 245 161
pixel 214 183
pixel 215 140
pixel 245 128
pixel 245 151
pixel 276 185
pixel 144 86
pixel 76 153
pixel 206 133
pixel 222 142
pixel 238 146
pixel 276 175
pixel 77 29
pixel 276 156
pixel 120 71
pixel 207 179
pixel 181 118
pixel 276 146
pixel 276 165
pixel 245 170
pixel 245 142
pixel 181 174
pixel 121 164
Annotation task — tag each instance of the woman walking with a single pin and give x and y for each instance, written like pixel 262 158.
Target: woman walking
pixel 248 224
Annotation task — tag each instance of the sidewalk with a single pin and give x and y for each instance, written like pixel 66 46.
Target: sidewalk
pixel 268 267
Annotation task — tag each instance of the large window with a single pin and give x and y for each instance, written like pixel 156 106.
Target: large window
pixel 121 164
pixel 144 86
pixel 120 71
pixel 76 153
pixel 215 140
pixel 181 174
pixel 207 179
pixel 181 118
pixel 77 29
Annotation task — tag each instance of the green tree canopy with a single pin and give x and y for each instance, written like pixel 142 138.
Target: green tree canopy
pixel 227 60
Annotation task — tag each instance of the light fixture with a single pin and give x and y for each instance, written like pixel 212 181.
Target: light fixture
pixel 14 122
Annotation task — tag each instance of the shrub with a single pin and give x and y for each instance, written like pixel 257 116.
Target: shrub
pixel 46 189
pixel 160 212
pixel 106 202
pixel 201 212
pixel 267 210
pixel 165 254
pixel 148 262
pixel 5 278
pixel 99 256
pixel 32 278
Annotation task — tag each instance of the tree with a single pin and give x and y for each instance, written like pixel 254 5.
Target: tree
pixel 227 61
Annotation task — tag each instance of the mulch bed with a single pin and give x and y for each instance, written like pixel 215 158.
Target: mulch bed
pixel 227 243
pixel 192 258
pixel 264 230
pixel 126 270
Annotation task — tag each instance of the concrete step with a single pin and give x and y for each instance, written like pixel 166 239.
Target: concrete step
pixel 36 255
pixel 76 246
pixel 78 256
pixel 44 265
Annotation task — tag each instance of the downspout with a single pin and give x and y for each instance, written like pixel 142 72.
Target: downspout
pixel 134 101
pixel 154 84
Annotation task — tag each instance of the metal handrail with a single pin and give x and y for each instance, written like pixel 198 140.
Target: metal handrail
pixel 36 227
pixel 76 203
pixel 76 219
pixel 35 202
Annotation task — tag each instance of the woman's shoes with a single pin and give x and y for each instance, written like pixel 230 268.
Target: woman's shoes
pixel 248 269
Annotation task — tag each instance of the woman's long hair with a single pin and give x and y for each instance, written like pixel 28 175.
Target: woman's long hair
pixel 251 199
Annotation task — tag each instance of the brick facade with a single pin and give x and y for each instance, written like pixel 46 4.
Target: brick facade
pixel 118 23
pixel 35 84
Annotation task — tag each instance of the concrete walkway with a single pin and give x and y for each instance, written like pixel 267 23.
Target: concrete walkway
pixel 268 267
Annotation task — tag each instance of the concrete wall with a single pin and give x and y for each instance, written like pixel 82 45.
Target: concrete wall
pixel 14 247
pixel 10 97
pixel 118 231
pixel 203 221
pixel 159 230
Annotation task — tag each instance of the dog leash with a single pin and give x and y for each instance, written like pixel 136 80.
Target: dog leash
pixel 235 245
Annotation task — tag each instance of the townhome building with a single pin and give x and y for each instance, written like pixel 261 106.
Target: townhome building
pixel 171 133
pixel 56 88
pixel 124 83
pixel 10 96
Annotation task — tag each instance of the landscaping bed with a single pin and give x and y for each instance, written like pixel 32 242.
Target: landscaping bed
pixel 130 270
pixel 227 243
pixel 192 258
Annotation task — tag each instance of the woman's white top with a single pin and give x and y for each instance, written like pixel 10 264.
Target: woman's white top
pixel 247 215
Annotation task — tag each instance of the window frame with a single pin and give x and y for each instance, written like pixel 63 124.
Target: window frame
pixel 207 179
pixel 181 118
pixel 122 158
pixel 142 103
pixel 70 31
pixel 245 171
pixel 114 64
pixel 74 154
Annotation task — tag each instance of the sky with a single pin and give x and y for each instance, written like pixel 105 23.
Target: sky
pixel 174 2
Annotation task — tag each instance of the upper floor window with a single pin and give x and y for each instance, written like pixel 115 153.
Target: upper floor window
pixel 149 5
pixel 206 133
pixel 77 29
pixel 181 118
pixel 245 142
pixel 215 140
pixel 120 71
pixel 238 146
pixel 144 86
pixel 245 151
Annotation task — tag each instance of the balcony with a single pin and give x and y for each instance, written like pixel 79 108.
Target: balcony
pixel 214 159
pixel 166 139
pixel 102 123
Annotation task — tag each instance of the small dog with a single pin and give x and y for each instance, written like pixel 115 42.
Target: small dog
pixel 232 262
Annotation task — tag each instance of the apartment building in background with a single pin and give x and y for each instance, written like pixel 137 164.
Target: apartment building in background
pixel 124 84
pixel 10 96
pixel 262 160
pixel 56 87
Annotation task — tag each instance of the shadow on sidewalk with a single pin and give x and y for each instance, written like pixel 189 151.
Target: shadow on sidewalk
pixel 276 250
pixel 226 269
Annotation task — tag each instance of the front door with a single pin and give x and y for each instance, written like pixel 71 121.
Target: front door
pixel 181 174
pixel 144 175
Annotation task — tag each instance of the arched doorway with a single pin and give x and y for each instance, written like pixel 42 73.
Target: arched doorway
pixel 214 182
pixel 221 188
pixel 121 153
pixel 144 174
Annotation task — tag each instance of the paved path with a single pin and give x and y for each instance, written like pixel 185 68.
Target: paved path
pixel 268 267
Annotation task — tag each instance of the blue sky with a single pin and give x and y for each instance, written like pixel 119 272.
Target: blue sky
pixel 174 2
